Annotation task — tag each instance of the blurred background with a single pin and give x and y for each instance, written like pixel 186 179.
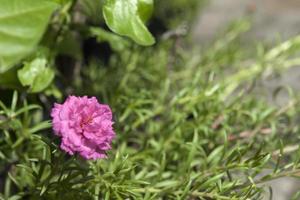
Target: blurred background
pixel 271 21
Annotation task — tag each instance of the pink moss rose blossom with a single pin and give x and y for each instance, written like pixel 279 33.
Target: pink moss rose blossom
pixel 84 125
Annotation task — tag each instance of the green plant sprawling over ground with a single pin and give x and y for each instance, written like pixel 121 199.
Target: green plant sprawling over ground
pixel 189 122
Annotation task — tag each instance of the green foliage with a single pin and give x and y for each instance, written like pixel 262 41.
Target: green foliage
pixel 145 9
pixel 173 13
pixel 182 135
pixel 116 42
pixel 126 18
pixel 189 123
pixel 22 24
pixel 36 75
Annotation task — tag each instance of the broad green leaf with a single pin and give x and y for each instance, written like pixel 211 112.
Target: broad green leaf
pixel 62 2
pixel 145 9
pixel 126 18
pixel 22 24
pixel 36 75
pixel 31 70
pixel 43 80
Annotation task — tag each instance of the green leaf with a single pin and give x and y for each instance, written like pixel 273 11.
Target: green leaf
pixel 31 70
pixel 36 75
pixel 116 42
pixel 41 126
pixel 145 9
pixel 43 80
pixel 126 18
pixel 22 24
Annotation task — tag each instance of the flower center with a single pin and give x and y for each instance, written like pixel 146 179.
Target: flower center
pixel 86 121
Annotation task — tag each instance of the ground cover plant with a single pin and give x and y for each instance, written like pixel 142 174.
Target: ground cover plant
pixel 188 121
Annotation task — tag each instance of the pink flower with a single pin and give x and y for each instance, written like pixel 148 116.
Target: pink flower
pixel 84 125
